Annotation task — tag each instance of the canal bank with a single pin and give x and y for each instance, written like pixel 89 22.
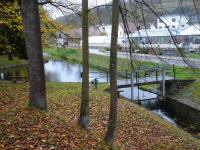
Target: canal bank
pixel 5 63
pixel 172 111
pixel 182 104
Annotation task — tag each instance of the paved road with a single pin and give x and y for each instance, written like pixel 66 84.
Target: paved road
pixel 178 61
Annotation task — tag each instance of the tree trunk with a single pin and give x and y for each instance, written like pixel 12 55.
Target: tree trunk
pixel 31 21
pixel 84 117
pixel 110 134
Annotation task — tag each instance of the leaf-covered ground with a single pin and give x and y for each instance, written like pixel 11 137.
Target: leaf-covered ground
pixel 27 128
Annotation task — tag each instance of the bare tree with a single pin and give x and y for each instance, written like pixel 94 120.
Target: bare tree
pixel 84 117
pixel 110 134
pixel 31 21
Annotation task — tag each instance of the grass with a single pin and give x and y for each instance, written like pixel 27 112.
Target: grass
pixel 28 128
pixel 4 62
pixel 193 55
pixel 149 87
pixel 102 63
pixel 190 94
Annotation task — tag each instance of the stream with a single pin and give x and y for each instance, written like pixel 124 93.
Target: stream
pixel 56 71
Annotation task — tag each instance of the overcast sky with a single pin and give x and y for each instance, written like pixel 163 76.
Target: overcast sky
pixel 56 13
pixel 94 2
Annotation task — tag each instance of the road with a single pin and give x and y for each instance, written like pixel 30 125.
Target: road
pixel 178 61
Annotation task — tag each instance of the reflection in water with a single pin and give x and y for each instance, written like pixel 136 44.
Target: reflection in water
pixel 12 73
pixel 1 76
pixel 61 71
pixel 56 71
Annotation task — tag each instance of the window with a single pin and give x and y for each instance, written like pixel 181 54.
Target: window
pixel 173 26
pixel 197 41
pixel 173 19
pixel 183 26
pixel 160 27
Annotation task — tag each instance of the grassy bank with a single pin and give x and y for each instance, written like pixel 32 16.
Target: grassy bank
pixel 4 62
pixel 196 56
pixel 25 128
pixel 190 95
pixel 102 63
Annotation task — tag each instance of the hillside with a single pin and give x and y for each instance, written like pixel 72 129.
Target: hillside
pixel 163 7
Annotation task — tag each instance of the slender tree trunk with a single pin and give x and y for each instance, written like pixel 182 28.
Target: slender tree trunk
pixel 31 21
pixel 84 117
pixel 110 134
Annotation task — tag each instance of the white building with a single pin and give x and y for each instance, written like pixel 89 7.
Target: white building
pixel 172 22
pixel 162 38
pixel 107 29
pixel 191 36
pixel 105 39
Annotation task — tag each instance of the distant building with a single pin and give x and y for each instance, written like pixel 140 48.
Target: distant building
pixel 191 36
pixel 104 40
pixel 107 29
pixel 172 22
pixel 195 19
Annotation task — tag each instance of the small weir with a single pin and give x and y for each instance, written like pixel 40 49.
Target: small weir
pixel 148 100
pixel 169 110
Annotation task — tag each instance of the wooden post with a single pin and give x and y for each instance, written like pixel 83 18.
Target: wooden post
pixel 157 81
pixel 132 85
pixel 174 72
pixel 138 78
pixel 107 75
pixel 163 83
pixel 95 83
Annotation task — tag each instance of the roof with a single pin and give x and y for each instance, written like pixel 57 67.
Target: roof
pixel 155 33
pixel 191 30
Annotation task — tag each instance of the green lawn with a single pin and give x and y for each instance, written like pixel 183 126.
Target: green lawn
pixel 190 94
pixel 102 63
pixel 5 62
pixel 150 87
pixel 196 56
pixel 26 128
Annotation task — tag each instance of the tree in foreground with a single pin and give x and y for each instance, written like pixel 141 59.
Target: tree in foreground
pixel 110 134
pixel 84 111
pixel 31 22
